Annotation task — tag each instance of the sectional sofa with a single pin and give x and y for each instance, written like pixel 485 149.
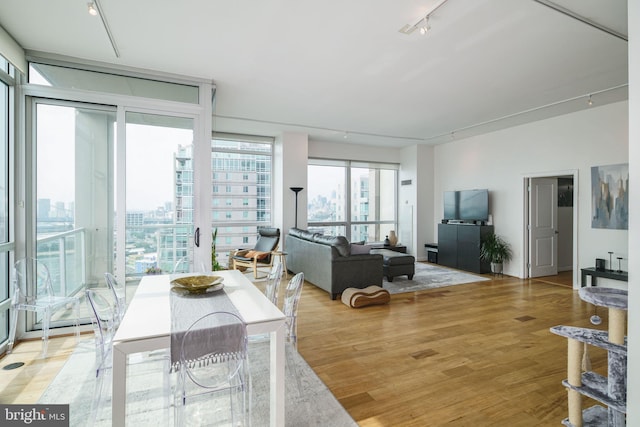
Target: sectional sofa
pixel 327 262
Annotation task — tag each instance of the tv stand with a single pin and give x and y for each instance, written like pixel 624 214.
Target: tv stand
pixel 459 246
pixel 462 222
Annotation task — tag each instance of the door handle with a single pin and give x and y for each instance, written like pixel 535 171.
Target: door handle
pixel 196 237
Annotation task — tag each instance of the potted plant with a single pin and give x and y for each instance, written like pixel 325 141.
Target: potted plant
pixel 153 270
pixel 497 251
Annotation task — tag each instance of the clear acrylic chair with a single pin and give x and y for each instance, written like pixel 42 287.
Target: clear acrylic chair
pixel 181 265
pixel 33 292
pixel 273 283
pixel 105 320
pixel 213 358
pixel 119 295
pixel 290 307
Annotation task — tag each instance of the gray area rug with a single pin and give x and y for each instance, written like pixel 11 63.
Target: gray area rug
pixel 308 401
pixel 429 276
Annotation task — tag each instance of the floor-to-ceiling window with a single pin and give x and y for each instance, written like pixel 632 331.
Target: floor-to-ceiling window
pixel 241 190
pixel 354 199
pixel 7 82
pixel 159 199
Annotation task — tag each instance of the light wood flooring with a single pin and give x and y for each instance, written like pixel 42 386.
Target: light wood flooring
pixel 468 355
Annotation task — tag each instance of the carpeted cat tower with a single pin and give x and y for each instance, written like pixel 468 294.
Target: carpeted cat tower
pixel 610 390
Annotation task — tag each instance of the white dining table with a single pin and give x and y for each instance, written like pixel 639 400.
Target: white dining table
pixel 146 326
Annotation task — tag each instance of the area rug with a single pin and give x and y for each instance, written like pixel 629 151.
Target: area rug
pixel 429 276
pixel 308 401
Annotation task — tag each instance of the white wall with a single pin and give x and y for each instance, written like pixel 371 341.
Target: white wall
pixel 332 150
pixel 500 160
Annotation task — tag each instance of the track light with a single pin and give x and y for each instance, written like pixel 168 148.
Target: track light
pixel 92 9
pixel 589 102
pixel 423 23
pixel 425 26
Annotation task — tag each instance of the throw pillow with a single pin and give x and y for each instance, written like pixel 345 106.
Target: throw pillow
pixel 357 249
pixel 256 254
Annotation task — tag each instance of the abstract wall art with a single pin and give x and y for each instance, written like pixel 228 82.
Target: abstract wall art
pixel 610 196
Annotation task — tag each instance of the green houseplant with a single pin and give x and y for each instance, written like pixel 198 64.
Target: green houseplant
pixel 215 265
pixel 497 251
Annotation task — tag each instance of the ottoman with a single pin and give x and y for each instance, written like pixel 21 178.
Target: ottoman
pixel 396 264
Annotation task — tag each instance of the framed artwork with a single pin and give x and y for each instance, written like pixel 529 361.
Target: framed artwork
pixel 610 196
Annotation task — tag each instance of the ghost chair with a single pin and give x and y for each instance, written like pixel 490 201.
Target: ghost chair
pixel 33 292
pixel 119 295
pixel 213 358
pixel 105 320
pixel 181 265
pixel 290 307
pixel 273 283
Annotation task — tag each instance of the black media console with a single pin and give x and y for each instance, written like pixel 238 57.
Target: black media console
pixel 459 246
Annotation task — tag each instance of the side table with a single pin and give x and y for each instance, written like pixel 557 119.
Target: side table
pixel 399 248
pixel 283 260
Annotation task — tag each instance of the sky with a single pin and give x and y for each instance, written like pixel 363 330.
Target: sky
pixel 150 151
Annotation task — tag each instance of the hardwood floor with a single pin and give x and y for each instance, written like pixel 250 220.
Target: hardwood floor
pixel 477 354
pixel 468 355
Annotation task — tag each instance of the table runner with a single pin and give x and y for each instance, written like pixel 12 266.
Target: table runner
pixel 188 308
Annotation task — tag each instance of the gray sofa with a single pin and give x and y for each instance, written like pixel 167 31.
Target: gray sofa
pixel 327 262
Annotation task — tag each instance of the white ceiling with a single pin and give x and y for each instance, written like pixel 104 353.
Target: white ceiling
pixel 342 68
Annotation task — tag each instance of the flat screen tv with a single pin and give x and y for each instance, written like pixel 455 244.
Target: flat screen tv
pixel 466 205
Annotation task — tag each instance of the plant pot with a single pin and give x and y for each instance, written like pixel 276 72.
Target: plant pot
pixel 496 267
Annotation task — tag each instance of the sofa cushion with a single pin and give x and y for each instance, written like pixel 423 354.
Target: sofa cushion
pixel 302 234
pixel 339 242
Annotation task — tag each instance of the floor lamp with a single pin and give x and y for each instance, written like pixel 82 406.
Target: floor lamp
pixel 296 190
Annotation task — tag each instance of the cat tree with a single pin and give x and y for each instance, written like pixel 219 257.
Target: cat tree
pixel 612 389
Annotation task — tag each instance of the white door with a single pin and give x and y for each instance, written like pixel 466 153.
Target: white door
pixel 543 227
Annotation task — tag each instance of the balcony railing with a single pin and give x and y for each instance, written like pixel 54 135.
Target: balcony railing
pixel 64 255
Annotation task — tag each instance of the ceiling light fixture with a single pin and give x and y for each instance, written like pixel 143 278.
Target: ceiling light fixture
pixel 589 102
pixel 92 9
pixel 423 23
pixel 425 26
